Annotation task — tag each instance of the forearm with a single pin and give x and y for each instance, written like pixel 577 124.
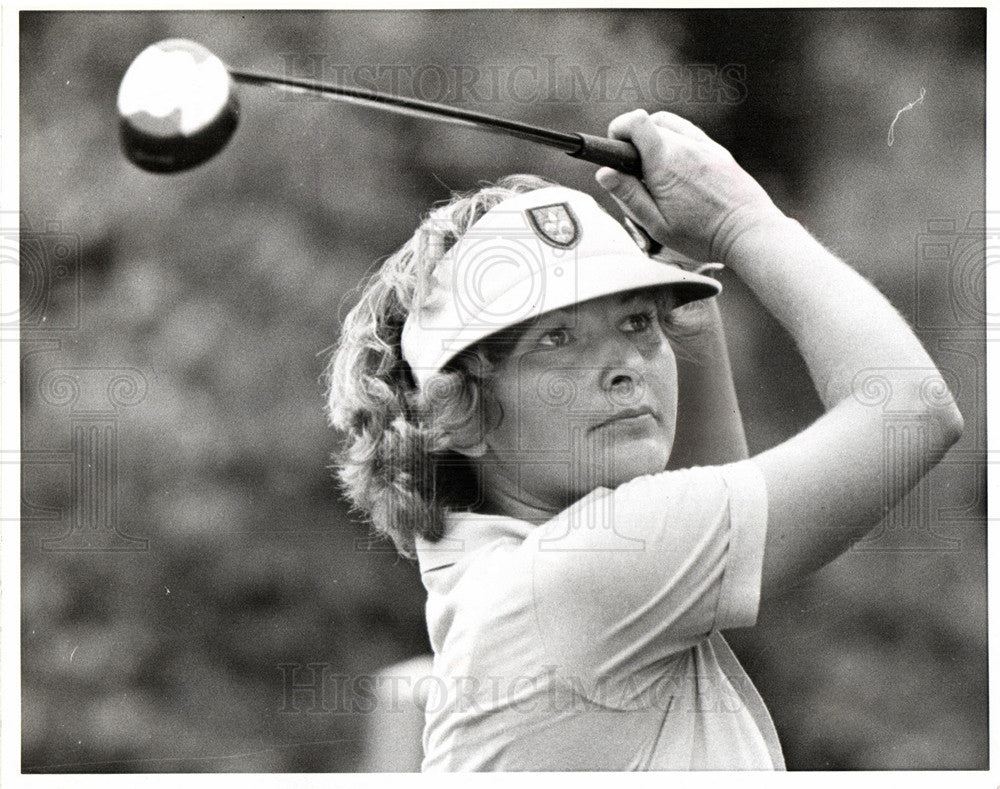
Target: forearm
pixel 889 415
pixel 709 423
pixel 844 328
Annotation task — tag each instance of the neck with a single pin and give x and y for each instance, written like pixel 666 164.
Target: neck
pixel 504 495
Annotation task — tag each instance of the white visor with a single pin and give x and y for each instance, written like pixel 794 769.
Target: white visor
pixel 537 252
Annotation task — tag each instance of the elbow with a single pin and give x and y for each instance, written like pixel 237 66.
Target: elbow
pixel 952 425
pixel 947 423
pixel 937 401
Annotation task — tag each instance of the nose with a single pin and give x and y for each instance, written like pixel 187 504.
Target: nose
pixel 625 387
pixel 622 378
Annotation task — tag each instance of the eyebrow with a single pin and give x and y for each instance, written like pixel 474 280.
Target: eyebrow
pixel 563 312
pixel 650 294
pixel 570 311
pixel 523 331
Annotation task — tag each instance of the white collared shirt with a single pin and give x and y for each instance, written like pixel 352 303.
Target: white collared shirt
pixel 591 642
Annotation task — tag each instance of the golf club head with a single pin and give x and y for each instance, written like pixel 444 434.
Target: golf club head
pixel 177 104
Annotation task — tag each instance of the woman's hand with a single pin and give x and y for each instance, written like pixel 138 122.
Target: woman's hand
pixel 831 483
pixel 694 197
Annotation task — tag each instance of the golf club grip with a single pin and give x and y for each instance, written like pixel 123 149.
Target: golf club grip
pixel 618 154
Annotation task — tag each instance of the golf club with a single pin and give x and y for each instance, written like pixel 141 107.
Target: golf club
pixel 178 108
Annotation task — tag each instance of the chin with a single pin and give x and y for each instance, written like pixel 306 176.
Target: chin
pixel 634 459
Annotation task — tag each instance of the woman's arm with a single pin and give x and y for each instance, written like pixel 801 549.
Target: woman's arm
pixel 709 423
pixel 834 481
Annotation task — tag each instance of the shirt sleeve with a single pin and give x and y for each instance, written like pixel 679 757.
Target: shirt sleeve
pixel 626 579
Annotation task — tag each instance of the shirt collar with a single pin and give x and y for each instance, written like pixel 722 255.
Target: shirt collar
pixel 466 532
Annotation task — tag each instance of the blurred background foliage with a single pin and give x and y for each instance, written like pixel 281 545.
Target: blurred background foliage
pixel 220 290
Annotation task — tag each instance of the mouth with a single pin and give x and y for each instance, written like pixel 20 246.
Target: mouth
pixel 626 416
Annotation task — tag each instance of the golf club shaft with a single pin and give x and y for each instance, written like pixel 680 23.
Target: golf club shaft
pixel 598 150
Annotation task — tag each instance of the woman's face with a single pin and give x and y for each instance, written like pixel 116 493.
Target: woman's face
pixel 588 399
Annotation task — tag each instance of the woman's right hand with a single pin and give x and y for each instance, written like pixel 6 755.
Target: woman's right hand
pixel 694 197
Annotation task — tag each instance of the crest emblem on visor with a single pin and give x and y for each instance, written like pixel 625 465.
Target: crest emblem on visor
pixel 555 225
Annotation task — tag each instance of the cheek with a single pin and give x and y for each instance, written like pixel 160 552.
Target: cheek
pixel 503 414
pixel 666 384
pixel 659 376
pixel 530 414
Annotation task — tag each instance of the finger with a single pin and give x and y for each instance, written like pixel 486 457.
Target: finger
pixel 668 120
pixel 620 126
pixel 653 142
pixel 634 199
pixel 637 127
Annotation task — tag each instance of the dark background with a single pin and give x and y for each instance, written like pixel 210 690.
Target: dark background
pixel 215 294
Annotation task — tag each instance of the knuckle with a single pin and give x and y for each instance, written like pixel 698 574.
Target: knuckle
pixel 627 121
pixel 617 126
pixel 626 190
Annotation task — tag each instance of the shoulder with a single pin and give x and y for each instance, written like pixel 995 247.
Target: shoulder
pixel 664 506
pixel 640 573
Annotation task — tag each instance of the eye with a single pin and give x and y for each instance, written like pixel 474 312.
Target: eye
pixel 638 322
pixel 554 338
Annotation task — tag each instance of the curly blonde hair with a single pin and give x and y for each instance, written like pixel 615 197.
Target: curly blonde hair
pixel 398 464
